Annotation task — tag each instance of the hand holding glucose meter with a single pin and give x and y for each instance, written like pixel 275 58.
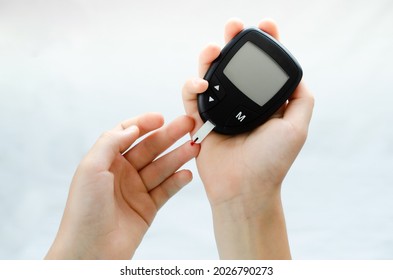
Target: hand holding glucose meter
pixel 250 80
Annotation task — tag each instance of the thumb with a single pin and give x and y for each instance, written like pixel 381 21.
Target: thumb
pixel 111 144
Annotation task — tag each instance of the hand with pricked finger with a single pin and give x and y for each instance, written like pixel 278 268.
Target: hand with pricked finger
pixel 114 198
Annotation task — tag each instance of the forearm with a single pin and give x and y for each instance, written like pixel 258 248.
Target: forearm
pixel 251 231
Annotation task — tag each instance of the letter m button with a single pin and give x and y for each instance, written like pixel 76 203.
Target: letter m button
pixel 240 116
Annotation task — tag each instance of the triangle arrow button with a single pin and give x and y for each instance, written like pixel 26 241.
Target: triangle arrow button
pixel 217 87
pixel 207 101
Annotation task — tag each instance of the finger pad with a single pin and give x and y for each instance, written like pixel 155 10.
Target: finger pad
pixel 269 26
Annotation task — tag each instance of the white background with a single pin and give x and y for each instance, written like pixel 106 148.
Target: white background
pixel 72 69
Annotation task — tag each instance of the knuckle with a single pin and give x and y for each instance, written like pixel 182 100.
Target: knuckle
pixel 108 135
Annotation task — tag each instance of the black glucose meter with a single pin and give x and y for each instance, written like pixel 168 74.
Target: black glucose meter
pixel 250 80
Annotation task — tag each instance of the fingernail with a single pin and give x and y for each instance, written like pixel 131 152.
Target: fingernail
pixel 131 129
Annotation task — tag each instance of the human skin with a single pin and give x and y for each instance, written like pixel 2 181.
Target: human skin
pixel 114 198
pixel 243 174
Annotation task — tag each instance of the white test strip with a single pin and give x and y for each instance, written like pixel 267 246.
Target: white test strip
pixel 201 134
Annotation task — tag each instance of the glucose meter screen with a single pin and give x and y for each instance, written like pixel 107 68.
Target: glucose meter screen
pixel 255 73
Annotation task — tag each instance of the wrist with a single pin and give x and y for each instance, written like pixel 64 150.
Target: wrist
pixel 59 251
pixel 251 229
pixel 242 201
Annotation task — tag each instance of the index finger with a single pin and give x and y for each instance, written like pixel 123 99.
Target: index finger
pixel 233 27
pixel 157 142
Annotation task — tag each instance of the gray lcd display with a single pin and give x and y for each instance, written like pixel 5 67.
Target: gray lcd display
pixel 255 73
